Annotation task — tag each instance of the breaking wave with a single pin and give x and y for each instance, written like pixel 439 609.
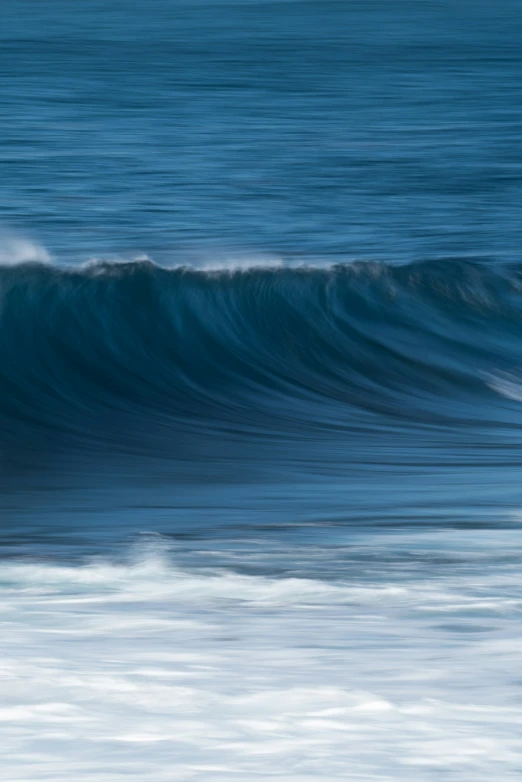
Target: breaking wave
pixel 121 352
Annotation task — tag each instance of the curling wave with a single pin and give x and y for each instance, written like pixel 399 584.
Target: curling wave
pixel 110 351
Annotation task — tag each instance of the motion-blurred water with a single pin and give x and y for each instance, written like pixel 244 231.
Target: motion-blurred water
pixel 260 390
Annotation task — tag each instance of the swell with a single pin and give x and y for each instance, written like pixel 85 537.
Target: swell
pixel 111 352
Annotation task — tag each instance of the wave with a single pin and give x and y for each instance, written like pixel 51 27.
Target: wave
pixel 115 351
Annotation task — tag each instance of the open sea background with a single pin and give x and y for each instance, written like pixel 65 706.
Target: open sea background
pixel 260 390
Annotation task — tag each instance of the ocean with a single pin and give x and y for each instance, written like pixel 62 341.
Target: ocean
pixel 260 390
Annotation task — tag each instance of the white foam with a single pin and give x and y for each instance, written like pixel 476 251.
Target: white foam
pixel 139 670
pixel 240 262
pixel 20 249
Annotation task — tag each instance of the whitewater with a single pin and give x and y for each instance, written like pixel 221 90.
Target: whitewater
pixel 136 669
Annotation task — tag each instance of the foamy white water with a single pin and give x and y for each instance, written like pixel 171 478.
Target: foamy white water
pixel 15 249
pixel 139 670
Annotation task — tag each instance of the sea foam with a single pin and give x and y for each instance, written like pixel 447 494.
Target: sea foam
pixel 138 669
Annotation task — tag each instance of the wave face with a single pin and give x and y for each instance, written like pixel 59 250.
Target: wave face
pixel 350 389
pixel 296 346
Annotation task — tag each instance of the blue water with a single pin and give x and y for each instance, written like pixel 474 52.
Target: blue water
pixel 260 389
pixel 305 130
